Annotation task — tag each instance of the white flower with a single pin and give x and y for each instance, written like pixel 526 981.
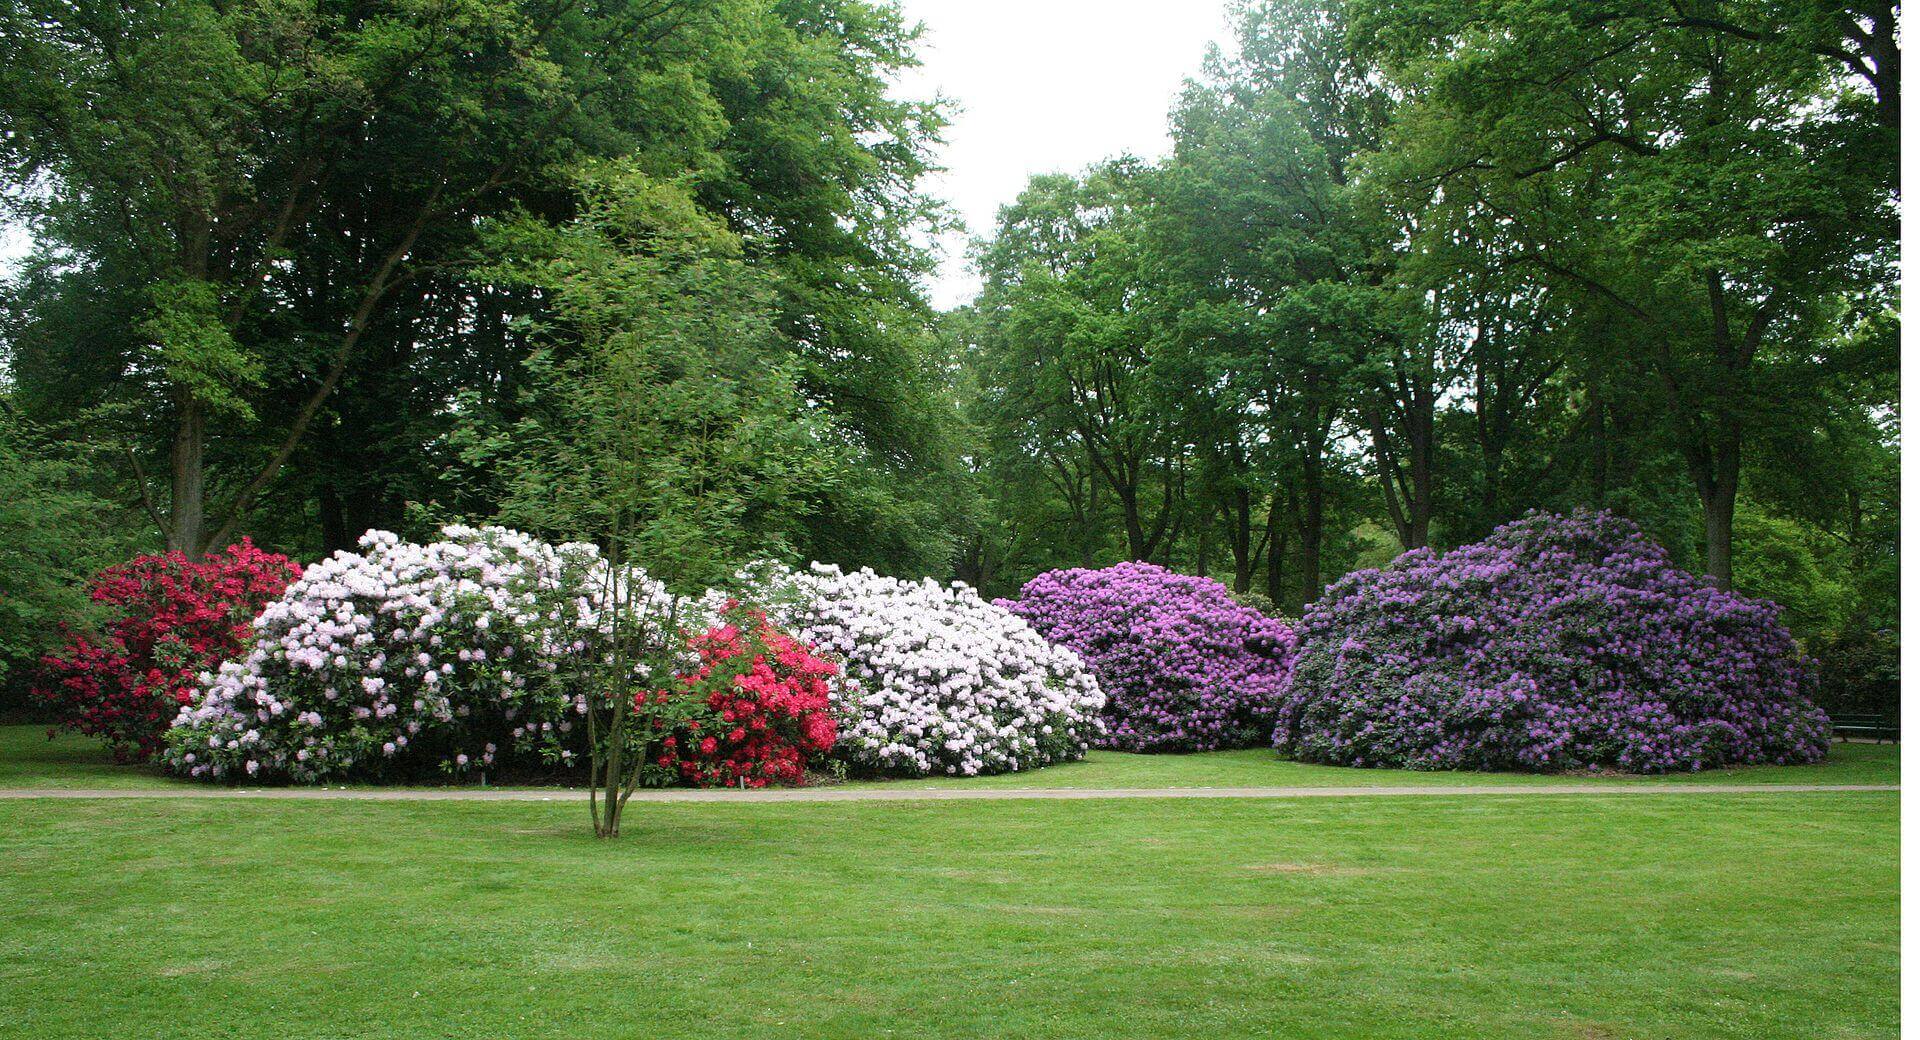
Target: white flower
pixel 932 672
pixel 349 649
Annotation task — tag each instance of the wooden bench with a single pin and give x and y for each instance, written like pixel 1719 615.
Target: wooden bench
pixel 1866 727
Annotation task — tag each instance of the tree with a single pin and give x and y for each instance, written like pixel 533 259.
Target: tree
pixel 55 534
pixel 1068 342
pixel 344 161
pixel 1261 222
pixel 664 423
pixel 1717 190
pixel 277 173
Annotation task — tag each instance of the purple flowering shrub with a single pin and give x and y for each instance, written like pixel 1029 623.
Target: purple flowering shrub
pixel 1560 642
pixel 1184 666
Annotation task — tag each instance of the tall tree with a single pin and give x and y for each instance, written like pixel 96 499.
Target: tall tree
pixel 282 169
pixel 1720 191
pixel 1068 339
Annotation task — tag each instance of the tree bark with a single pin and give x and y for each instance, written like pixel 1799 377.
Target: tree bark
pixel 1242 506
pixel 187 512
pixel 1276 558
pixel 1202 540
pixel 1310 514
pixel 1719 518
pixel 1408 490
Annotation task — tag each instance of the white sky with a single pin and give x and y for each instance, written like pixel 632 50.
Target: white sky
pixel 1046 86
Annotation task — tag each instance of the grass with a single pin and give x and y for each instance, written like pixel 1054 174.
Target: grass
pixel 1848 764
pixel 29 759
pixel 1771 915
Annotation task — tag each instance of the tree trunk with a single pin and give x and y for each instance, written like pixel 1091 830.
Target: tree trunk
pixel 1242 539
pixel 1276 559
pixel 1717 476
pixel 1409 490
pixel 335 528
pixel 1310 518
pixel 1602 455
pixel 1129 496
pixel 1091 537
pixel 1719 516
pixel 1310 515
pixel 187 513
pixel 1202 540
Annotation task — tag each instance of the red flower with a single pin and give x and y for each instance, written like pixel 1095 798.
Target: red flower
pixel 173 618
pixel 767 693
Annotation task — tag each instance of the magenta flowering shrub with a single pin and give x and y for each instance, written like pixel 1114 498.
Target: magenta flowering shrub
pixel 1184 666
pixel 1560 642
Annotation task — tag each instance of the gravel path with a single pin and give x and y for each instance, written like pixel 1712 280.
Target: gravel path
pixel 919 794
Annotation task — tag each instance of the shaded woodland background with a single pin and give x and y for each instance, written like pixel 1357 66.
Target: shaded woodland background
pixel 301 269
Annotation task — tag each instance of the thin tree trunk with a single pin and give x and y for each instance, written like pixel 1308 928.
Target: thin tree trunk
pixel 1130 517
pixel 1310 510
pixel 1276 559
pixel 1202 540
pixel 335 529
pixel 1242 539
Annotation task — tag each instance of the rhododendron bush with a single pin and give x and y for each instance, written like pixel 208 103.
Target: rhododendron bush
pixel 1184 666
pixel 1559 642
pixel 762 703
pixel 169 618
pixel 404 659
pixel 940 680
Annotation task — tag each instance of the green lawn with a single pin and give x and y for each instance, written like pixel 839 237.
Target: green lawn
pixel 1770 915
pixel 1848 764
pixel 29 759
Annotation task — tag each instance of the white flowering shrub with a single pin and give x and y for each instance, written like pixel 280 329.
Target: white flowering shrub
pixel 939 680
pixel 404 660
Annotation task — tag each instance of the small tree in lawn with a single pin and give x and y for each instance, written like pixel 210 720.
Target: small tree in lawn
pixel 663 423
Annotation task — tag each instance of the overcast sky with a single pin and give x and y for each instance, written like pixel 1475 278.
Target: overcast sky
pixel 1045 86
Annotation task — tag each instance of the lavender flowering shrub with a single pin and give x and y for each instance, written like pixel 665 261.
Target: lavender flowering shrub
pixel 1184 666
pixel 404 660
pixel 1560 642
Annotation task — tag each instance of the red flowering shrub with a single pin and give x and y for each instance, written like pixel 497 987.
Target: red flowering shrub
pixel 761 712
pixel 169 618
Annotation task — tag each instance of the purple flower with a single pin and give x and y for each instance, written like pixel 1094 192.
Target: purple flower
pixel 1184 666
pixel 1560 642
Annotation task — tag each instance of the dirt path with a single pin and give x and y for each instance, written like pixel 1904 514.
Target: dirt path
pixel 918 794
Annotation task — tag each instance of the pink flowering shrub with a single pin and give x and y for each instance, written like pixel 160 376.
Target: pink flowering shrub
pixel 1184 666
pixel 761 707
pixel 1560 642
pixel 169 618
pixel 406 660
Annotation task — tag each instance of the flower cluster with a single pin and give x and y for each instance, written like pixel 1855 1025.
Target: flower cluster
pixel 403 659
pixel 170 618
pixel 1184 666
pixel 766 701
pixel 1559 642
pixel 941 681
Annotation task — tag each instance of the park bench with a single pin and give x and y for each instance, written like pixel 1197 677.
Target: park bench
pixel 1864 727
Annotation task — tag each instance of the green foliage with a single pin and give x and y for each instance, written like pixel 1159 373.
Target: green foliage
pixel 291 203
pixel 1859 671
pixel 196 350
pixel 54 535
pixel 1413 269
pixel 663 414
pixel 1794 566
